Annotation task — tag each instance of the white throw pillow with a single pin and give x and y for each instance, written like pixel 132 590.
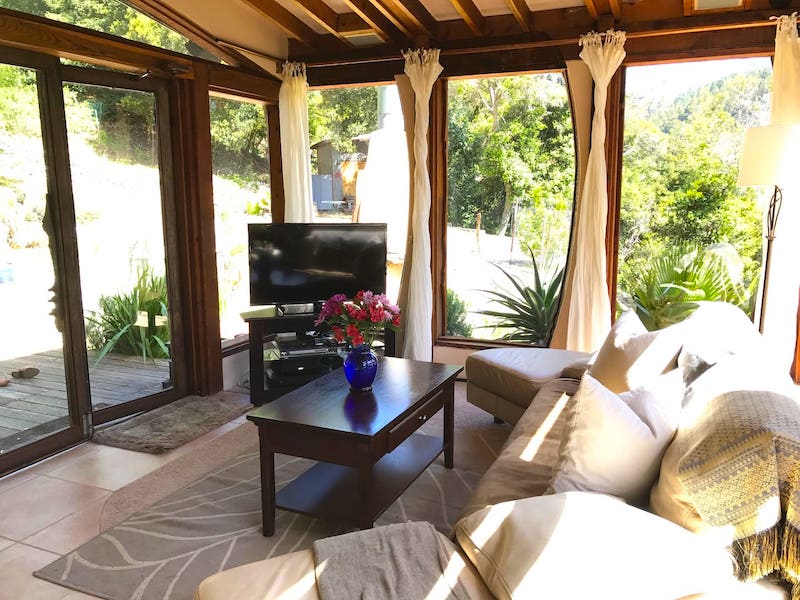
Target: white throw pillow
pixel 579 545
pixel 613 444
pixel 631 356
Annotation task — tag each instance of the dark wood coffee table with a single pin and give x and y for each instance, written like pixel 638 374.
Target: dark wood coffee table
pixel 367 443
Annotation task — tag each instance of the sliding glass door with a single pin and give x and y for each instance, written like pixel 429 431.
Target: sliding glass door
pixel 117 151
pixel 42 401
pixel 91 329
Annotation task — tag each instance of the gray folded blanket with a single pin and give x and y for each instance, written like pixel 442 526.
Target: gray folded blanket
pixel 405 561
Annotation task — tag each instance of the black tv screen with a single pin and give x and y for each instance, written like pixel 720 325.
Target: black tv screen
pixel 294 263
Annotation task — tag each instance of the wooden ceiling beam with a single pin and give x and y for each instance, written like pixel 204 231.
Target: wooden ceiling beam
pixel 285 20
pixel 349 24
pixel 470 14
pixel 326 17
pixel 521 12
pixel 616 8
pixel 190 30
pixel 398 18
pixel 382 26
pixel 417 14
pixel 591 6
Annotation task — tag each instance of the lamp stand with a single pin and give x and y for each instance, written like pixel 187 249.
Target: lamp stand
pixel 772 221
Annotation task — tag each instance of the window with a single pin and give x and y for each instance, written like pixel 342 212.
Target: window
pixel 511 178
pixel 112 17
pixel 360 164
pixel 687 231
pixel 240 160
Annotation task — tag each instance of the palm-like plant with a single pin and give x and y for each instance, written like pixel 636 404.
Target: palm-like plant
pixel 668 291
pixel 113 325
pixel 530 311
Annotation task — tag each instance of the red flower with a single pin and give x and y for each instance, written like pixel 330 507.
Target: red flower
pixel 338 334
pixel 396 321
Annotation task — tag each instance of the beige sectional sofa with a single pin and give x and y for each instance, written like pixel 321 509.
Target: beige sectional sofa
pixel 627 552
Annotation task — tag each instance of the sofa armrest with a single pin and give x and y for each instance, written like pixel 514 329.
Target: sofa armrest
pixel 576 369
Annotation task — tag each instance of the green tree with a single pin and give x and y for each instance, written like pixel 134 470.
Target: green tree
pixel 680 171
pixel 510 144
pixel 342 114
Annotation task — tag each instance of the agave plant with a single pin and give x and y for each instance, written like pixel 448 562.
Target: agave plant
pixel 530 310
pixel 113 325
pixel 669 290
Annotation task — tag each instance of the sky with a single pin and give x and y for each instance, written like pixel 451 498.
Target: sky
pixel 670 80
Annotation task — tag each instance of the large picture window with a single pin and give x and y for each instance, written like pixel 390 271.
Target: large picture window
pixel 688 232
pixel 511 178
pixel 240 160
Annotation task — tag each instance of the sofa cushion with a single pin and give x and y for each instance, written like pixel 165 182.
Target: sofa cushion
pixel 612 443
pixel 631 356
pixel 584 545
pixel 517 374
pixel 529 457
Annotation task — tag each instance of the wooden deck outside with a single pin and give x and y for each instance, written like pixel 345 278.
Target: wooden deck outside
pixel 32 408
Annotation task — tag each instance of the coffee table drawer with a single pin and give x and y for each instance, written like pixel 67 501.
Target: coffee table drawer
pixel 400 432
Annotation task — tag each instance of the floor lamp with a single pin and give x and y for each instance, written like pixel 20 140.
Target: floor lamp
pixel 769 155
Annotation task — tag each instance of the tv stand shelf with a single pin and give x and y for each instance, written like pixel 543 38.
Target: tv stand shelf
pixel 266 329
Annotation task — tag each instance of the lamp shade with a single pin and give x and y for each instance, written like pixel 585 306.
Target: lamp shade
pixel 770 155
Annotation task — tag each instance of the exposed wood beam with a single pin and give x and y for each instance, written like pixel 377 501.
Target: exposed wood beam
pixel 616 8
pixel 76 43
pixel 350 23
pixel 688 7
pixel 591 6
pixel 470 14
pixel 399 18
pixel 285 20
pixel 521 13
pixel 325 16
pixel 382 26
pixel 191 31
pixel 417 14
pixel 235 82
pixel 565 37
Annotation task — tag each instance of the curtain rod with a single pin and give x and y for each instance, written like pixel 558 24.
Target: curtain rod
pixel 570 41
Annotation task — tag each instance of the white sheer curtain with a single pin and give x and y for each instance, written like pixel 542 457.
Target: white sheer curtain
pixel 422 68
pixel 589 309
pixel 781 311
pixel 295 152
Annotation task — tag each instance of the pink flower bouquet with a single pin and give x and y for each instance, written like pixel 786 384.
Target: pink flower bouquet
pixel 360 320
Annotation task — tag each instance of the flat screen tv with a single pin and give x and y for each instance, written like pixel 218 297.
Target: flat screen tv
pixel 300 263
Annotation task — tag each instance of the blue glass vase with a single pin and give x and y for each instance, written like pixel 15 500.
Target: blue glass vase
pixel 360 368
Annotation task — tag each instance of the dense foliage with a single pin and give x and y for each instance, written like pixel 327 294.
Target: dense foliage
pixel 341 114
pixel 680 170
pixel 510 145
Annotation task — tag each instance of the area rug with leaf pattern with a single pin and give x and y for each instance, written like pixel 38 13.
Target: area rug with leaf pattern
pixel 214 523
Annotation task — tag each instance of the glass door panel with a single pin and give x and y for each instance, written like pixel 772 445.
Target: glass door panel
pixel 114 160
pixel 34 401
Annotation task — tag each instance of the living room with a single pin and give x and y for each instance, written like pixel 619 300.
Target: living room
pixel 177 137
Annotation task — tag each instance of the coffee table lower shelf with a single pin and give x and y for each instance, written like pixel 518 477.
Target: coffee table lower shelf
pixel 331 491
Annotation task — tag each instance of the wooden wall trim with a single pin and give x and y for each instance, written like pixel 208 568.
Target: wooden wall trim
pixel 33 33
pixel 437 166
pixel 277 193
pixel 615 119
pixel 191 123
pixel 227 80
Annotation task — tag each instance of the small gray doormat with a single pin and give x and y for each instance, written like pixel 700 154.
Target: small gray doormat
pixel 175 424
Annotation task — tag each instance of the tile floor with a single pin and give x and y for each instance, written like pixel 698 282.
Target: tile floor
pixel 52 507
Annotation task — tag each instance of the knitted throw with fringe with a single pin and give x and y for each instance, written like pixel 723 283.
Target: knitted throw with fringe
pixel 740 466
